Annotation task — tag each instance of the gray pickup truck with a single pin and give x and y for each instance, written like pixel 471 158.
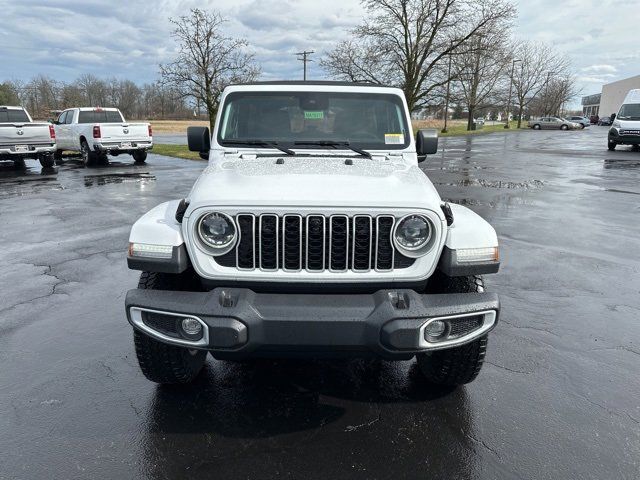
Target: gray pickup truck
pixel 22 138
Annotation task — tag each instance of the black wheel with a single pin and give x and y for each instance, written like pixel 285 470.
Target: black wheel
pixel 564 127
pixel 536 127
pixel 611 145
pixel 459 365
pixel 454 366
pixel 57 156
pixel 88 157
pixel 140 156
pixel 160 362
pixel 47 161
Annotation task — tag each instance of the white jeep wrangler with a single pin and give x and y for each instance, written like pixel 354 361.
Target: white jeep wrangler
pixel 312 232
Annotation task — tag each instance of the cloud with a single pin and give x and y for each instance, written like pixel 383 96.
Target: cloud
pixel 66 38
pixel 600 69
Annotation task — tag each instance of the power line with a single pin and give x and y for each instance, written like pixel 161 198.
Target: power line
pixel 304 57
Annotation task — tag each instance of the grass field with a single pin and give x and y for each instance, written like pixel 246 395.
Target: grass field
pixel 174 126
pixel 178 151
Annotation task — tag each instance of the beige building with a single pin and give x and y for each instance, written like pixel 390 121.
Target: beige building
pixel 613 94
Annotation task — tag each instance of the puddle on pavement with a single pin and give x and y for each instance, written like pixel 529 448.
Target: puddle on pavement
pixel 474 182
pixel 109 178
pixel 621 164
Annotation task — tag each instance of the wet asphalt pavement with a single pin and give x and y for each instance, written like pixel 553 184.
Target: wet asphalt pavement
pixel 559 396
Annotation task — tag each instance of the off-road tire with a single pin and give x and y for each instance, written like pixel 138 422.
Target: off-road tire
pixel 454 366
pixel 459 365
pixel 47 161
pixel 611 145
pixel 139 156
pixel 160 362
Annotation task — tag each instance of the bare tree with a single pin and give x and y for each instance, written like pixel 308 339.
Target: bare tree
pixel 407 42
pixel 207 60
pixel 537 63
pixel 482 70
pixel 8 94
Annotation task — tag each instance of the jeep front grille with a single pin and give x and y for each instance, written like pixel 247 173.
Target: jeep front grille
pixel 292 242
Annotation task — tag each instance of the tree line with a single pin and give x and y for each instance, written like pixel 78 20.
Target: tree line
pixel 43 95
pixel 461 53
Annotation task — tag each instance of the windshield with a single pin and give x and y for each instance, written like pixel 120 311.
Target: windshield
pixel 630 111
pixel 314 119
pixel 99 116
pixel 11 116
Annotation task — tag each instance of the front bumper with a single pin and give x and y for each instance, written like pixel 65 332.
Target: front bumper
pixel 239 323
pixel 623 138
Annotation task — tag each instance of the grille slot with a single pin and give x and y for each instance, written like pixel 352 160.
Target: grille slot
pixel 339 243
pixel 292 242
pixel 166 324
pixel 245 252
pixel 362 239
pixel 268 242
pixel 314 243
pixel 384 246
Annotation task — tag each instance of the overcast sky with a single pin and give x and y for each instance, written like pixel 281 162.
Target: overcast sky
pixel 127 39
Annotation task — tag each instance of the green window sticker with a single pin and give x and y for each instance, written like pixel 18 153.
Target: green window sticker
pixel 314 115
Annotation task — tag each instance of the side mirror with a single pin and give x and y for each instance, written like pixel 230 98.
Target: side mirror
pixel 426 143
pixel 199 140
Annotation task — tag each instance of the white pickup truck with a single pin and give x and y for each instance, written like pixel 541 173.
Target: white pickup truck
pixel 98 132
pixel 22 138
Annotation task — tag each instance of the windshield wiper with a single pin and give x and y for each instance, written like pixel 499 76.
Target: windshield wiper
pixel 260 143
pixel 334 144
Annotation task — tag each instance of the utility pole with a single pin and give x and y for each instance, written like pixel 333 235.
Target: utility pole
pixel 304 58
pixel 446 101
pixel 513 67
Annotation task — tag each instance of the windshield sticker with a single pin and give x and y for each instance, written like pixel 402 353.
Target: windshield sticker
pixel 314 115
pixel 393 138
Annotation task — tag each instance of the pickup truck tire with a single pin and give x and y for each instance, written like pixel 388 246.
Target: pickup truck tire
pixel 88 157
pixel 57 156
pixel 611 145
pixel 139 156
pixel 160 362
pixel 19 164
pixel 459 365
pixel 47 161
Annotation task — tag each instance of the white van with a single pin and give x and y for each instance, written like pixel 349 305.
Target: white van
pixel 625 129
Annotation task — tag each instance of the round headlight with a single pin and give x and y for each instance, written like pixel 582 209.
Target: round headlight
pixel 413 232
pixel 216 230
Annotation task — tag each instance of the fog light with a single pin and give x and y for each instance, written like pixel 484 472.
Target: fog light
pixel 435 330
pixel 191 327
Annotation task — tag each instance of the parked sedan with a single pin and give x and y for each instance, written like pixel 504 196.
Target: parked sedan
pixel 552 123
pixel 582 121
pixel 605 121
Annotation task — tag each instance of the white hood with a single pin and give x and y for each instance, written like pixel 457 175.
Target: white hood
pixel 315 182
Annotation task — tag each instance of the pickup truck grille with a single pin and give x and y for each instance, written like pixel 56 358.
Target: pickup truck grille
pixel 338 243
